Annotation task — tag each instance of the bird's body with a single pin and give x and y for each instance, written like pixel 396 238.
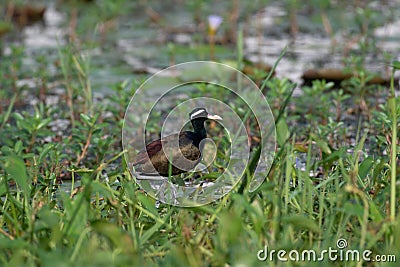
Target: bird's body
pixel 183 149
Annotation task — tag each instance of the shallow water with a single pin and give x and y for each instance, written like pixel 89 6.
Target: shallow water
pixel 136 48
pixel 135 45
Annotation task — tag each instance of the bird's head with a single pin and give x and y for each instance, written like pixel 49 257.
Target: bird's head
pixel 198 113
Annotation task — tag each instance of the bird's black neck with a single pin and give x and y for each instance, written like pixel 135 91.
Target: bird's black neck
pixel 199 129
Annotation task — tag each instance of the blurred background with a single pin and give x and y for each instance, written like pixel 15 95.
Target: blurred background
pixel 133 39
pixel 69 68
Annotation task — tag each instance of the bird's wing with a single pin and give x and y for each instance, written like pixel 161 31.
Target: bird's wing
pixel 150 150
pixel 155 146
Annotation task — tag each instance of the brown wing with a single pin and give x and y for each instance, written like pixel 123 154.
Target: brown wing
pixel 150 150
pixel 155 146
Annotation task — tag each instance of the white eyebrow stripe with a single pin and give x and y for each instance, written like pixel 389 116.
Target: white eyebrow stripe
pixel 197 113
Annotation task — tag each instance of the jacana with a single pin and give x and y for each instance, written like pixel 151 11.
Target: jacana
pixel 153 161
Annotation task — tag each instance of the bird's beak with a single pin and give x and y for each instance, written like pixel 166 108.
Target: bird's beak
pixel 214 117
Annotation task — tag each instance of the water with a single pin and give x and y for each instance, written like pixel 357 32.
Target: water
pixel 135 48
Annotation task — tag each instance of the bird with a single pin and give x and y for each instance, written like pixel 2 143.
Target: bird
pixel 152 159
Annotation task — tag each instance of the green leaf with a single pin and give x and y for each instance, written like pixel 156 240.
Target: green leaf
pixel 365 167
pixel 211 176
pixel 102 189
pixel 22 122
pixel 153 230
pixel 45 151
pixel 382 139
pixel 85 118
pixel 148 203
pixel 14 244
pixel 353 209
pixel 282 132
pixel 375 212
pixel 43 123
pixel 321 144
pixel 9 109
pixel 18 117
pixel 18 146
pixel 396 64
pixel 3 189
pixel 300 221
pixel 15 167
pixel 118 238
pixel 48 217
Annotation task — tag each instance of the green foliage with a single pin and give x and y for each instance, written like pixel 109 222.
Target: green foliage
pixel 11 70
pixel 327 181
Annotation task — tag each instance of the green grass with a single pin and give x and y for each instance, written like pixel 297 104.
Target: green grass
pixel 323 186
pixel 111 221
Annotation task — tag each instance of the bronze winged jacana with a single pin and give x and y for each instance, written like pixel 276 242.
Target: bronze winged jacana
pixel 153 161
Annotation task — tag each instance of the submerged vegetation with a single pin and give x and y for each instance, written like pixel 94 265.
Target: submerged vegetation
pixel 68 199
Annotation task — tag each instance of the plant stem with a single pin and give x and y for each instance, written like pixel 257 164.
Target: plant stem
pixel 85 148
pixel 212 46
pixel 240 48
pixel 392 105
